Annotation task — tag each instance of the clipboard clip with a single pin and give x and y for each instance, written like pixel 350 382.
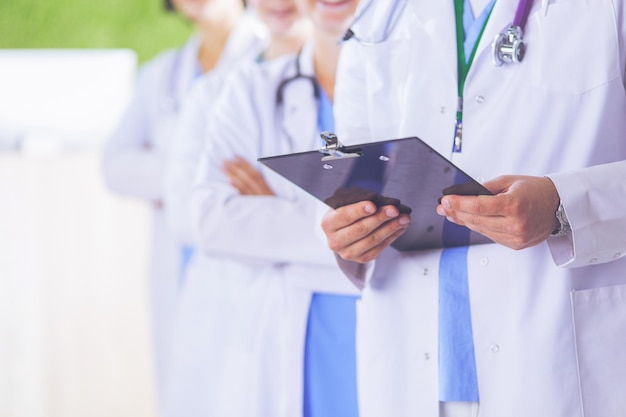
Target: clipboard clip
pixel 333 149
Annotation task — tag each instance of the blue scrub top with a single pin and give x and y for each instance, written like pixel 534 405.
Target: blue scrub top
pixel 330 349
pixel 457 362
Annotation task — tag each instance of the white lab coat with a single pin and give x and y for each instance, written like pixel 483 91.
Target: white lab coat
pixel 134 162
pixel 266 255
pixel 191 387
pixel 549 322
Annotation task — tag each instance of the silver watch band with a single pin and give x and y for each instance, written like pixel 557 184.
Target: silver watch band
pixel 564 227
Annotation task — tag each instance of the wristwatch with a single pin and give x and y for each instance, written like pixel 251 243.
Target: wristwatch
pixel 564 228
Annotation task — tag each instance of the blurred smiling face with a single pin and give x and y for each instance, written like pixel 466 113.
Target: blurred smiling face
pixel 332 16
pixel 278 15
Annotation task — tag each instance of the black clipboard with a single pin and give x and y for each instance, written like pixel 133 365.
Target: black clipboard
pixel 406 172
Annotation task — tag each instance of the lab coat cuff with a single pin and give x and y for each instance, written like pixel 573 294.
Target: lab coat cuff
pixel 562 248
pixel 358 274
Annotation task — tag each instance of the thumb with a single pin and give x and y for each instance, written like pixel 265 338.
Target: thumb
pixel 499 185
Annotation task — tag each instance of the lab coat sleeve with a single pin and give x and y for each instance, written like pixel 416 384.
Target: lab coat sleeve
pixel 183 158
pixel 132 164
pixel 271 229
pixel 593 199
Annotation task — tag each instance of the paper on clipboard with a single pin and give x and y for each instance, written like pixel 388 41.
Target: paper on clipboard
pixel 404 172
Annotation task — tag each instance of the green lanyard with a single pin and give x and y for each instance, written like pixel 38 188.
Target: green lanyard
pixel 463 66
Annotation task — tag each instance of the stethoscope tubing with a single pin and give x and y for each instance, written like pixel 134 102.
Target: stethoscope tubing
pixel 521 13
pixel 508 46
pixel 392 19
pixel 297 76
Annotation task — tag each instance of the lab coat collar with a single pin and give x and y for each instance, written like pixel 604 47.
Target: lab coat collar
pixel 248 39
pixel 437 19
pixel 187 67
pixel 299 109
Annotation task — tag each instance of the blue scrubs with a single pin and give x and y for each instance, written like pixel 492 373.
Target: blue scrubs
pixel 330 351
pixel 457 362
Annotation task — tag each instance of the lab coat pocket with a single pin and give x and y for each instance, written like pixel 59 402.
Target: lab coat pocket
pixel 600 329
pixel 573 46
pixel 394 61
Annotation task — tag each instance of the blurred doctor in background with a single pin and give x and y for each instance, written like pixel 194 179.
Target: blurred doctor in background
pixel 135 155
pixel 199 374
pixel 287 314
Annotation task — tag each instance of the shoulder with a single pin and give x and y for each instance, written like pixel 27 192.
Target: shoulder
pixel 158 70
pixel 161 61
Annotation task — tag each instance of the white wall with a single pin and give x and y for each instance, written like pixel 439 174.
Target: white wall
pixel 74 334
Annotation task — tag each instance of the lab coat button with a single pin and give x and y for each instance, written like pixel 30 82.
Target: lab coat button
pixel 480 179
pixel 593 260
pixel 480 99
pixel 494 348
pixel 484 261
pixel 443 110
pixel 425 271
pixel 427 356
pixel 617 255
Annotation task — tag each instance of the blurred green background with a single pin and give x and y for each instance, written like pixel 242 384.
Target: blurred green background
pixel 141 25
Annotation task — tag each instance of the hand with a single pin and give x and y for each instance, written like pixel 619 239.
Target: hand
pixel 359 232
pixel 245 178
pixel 519 215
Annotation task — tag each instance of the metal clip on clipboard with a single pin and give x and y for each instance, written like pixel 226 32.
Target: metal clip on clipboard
pixel 333 149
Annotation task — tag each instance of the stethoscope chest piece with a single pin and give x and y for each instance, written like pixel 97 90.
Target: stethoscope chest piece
pixel 508 46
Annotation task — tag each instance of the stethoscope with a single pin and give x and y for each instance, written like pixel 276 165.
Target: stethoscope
pixel 280 91
pixel 507 47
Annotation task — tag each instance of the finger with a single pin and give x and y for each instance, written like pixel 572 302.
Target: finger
pixel 341 217
pixel 361 236
pixel 345 216
pixel 238 169
pixel 482 224
pixel 234 178
pixel 246 178
pixel 252 177
pixel 481 205
pixel 364 251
